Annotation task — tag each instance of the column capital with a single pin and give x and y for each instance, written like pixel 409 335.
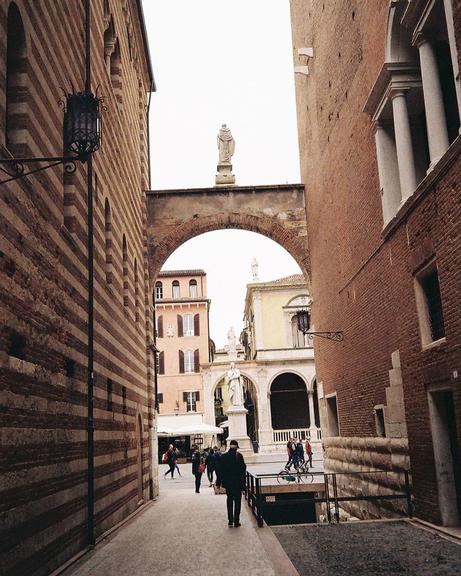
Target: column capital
pixel 398 92
pixel 419 39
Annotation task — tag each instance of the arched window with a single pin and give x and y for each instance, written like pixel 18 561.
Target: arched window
pixel 188 325
pixel 136 291
pixel 112 57
pixel 189 361
pixel 158 290
pixel 175 290
pixel 193 292
pixel 108 241
pixel 16 81
pixel 298 337
pixel 125 270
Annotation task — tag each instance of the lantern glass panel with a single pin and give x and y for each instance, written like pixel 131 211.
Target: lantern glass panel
pixel 303 321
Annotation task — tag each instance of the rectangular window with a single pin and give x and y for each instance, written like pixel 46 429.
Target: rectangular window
pixel 332 416
pixel 429 304
pixel 175 290
pixel 379 421
pixel 189 361
pixel 188 325
pixel 191 401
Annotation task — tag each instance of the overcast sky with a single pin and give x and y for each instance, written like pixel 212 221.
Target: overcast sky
pixel 223 62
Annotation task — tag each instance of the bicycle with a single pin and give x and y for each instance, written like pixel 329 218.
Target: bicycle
pixel 300 474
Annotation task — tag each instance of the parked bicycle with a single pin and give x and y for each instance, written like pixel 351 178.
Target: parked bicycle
pixel 300 474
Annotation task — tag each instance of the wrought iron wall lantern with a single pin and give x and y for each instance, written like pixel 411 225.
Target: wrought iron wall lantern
pixel 81 138
pixel 304 323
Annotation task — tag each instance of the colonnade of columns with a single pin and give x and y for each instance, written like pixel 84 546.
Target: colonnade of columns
pixel 396 156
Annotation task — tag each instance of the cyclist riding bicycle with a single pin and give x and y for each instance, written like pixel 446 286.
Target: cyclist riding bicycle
pixel 297 456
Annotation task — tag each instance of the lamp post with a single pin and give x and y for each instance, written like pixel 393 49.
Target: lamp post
pixel 304 323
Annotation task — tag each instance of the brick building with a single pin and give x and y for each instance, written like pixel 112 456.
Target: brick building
pixel 183 341
pixel 43 274
pixel 378 99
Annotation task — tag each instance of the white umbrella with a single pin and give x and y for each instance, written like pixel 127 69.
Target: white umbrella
pixel 225 424
pixel 199 428
pixel 164 431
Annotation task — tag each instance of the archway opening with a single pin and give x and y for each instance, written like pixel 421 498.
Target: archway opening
pixel 289 402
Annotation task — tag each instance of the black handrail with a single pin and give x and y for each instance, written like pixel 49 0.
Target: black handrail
pixel 331 497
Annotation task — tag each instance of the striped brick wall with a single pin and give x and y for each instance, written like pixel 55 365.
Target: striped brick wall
pixel 43 301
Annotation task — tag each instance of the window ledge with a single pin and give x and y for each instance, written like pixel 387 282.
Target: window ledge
pixel 425 186
pixel 434 344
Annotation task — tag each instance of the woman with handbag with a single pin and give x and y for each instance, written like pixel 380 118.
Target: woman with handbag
pixel 198 468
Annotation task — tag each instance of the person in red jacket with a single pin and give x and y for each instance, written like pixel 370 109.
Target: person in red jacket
pixel 308 448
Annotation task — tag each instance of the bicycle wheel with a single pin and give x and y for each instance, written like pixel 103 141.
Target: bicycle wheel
pixel 285 476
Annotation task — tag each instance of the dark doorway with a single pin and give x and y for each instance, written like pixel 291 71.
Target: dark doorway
pixel 289 402
pixel 446 455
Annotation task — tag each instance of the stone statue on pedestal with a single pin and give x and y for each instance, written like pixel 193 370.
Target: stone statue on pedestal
pixel 226 147
pixel 232 340
pixel 234 384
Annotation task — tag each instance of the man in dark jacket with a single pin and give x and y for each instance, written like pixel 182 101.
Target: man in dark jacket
pixel 233 470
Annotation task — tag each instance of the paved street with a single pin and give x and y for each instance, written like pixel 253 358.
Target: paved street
pixel 369 549
pixel 187 533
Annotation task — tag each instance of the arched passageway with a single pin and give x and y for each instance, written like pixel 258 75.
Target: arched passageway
pixel 289 402
pixel 277 212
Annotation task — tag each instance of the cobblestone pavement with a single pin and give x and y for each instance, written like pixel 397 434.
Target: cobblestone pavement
pixel 369 549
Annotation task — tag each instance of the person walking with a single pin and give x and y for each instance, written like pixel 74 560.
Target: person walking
pixel 171 461
pixel 210 466
pixel 290 452
pixel 176 463
pixel 233 470
pixel 198 467
pixel 308 448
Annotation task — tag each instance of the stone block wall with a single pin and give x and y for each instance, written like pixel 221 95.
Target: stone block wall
pixel 386 458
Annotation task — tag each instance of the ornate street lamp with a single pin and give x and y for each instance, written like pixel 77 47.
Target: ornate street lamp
pixel 81 138
pixel 304 323
pixel 82 124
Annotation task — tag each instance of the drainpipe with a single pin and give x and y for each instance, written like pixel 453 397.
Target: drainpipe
pixel 90 246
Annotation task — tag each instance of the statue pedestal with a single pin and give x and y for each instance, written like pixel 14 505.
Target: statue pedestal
pixel 238 428
pixel 224 176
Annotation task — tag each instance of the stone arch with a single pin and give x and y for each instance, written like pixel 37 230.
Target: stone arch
pixel 289 371
pixel 222 376
pixel 398 38
pixel 197 225
pixel 276 211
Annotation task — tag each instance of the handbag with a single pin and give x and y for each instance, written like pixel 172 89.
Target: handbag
pixel 165 457
pixel 201 467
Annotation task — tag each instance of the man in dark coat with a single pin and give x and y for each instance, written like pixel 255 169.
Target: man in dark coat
pixel 233 468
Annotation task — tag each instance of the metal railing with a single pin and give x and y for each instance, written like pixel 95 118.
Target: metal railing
pixel 331 494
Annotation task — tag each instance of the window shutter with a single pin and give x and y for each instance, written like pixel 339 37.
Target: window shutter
pixel 184 396
pixel 181 362
pixel 196 361
pixel 161 363
pixel 197 325
pixel 160 327
pixel 180 330
pixel 197 396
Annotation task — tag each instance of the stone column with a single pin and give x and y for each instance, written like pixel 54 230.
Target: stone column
pixel 310 396
pixel 404 145
pixel 436 121
pixel 388 172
